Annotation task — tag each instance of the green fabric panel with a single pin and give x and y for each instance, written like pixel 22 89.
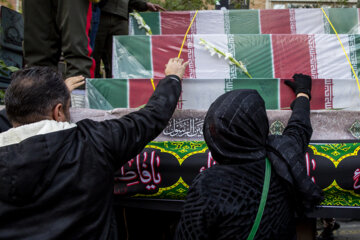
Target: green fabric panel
pixel 267 88
pixel 244 22
pixel 255 52
pixel 94 99
pixel 357 53
pixel 114 91
pixel 344 20
pixel 132 56
pixel 152 19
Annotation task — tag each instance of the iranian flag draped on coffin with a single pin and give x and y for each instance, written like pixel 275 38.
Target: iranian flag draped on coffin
pixel 270 59
pixel 107 94
pixel 269 21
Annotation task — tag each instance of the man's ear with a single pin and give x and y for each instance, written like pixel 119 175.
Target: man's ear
pixel 58 113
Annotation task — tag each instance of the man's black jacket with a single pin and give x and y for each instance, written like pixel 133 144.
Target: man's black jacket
pixel 57 183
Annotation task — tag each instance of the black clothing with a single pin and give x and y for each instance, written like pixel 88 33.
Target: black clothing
pixel 55 26
pixel 122 7
pixel 236 127
pixel 286 154
pixel 59 185
pixel 4 121
pixel 236 131
pixel 110 25
pixel 223 201
pixel 301 84
pixel 113 22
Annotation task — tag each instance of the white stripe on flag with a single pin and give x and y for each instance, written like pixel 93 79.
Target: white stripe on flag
pixel 115 57
pixel 331 59
pixel 210 22
pixel 208 66
pixel 358 26
pixel 309 21
pixel 346 94
pixel 200 93
pixel 131 27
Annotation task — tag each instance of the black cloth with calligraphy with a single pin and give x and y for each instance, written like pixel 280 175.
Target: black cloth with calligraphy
pixel 223 201
pixel 59 185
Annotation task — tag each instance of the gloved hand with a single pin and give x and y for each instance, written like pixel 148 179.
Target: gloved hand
pixel 301 84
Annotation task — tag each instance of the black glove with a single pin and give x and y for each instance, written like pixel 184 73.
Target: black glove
pixel 302 84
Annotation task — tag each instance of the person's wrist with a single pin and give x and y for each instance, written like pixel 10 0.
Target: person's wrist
pixel 302 95
pixel 171 73
pixel 175 76
pixel 303 90
pixel 178 74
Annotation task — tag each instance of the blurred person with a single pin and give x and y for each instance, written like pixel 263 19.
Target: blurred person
pixel 53 27
pixel 114 20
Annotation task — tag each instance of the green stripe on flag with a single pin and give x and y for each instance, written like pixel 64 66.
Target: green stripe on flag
pixel 356 60
pixel 267 88
pixel 152 19
pixel 255 52
pixel 244 22
pixel 345 20
pixel 132 57
pixel 107 93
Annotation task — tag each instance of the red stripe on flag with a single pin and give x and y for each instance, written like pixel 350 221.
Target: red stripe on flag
pixel 88 26
pixel 174 22
pixel 291 55
pixel 140 90
pixel 317 94
pixel 164 48
pixel 275 21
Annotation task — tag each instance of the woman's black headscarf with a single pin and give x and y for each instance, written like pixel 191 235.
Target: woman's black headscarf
pixel 236 131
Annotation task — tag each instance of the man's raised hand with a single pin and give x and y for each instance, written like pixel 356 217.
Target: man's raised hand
pixel 175 66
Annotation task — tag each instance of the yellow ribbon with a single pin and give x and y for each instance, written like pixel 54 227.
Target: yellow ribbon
pixel 182 45
pixel 187 31
pixel 152 83
pixel 342 46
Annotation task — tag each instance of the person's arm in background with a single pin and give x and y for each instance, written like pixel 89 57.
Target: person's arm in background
pixel 74 82
pixel 122 139
pixel 141 6
pixel 299 125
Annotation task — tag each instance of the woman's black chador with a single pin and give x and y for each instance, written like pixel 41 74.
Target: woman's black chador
pixel 223 201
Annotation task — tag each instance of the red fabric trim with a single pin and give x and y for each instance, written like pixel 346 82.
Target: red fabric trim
pixel 88 26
